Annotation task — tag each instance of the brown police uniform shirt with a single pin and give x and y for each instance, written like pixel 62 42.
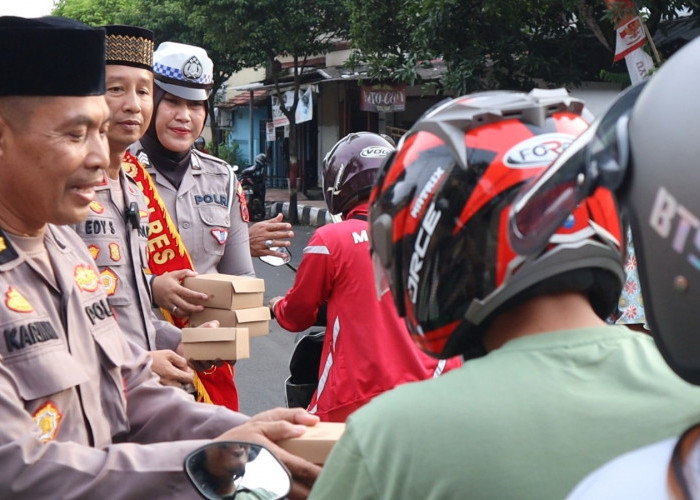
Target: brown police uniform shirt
pixel 75 395
pixel 117 239
pixel 207 212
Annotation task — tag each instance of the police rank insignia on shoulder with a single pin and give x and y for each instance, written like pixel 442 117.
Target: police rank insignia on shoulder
pixel 47 419
pixel 7 251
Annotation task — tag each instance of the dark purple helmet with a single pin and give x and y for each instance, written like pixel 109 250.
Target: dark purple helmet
pixel 350 167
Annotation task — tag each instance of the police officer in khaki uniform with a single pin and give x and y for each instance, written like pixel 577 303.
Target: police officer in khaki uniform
pixel 116 230
pixel 200 191
pixel 82 413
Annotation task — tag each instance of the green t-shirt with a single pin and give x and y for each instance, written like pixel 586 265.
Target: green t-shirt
pixel 529 420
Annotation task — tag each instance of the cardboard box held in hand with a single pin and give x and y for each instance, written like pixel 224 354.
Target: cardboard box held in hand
pixel 316 443
pixel 203 344
pixel 255 319
pixel 228 292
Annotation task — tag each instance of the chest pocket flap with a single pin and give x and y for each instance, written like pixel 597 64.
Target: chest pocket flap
pixel 214 215
pixel 48 370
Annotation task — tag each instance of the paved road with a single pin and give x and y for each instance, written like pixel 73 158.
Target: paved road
pixel 260 379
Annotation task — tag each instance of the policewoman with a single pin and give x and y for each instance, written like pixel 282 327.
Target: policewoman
pixel 200 192
pixel 65 367
pixel 116 230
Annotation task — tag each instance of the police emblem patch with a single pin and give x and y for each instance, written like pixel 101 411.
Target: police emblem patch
pixel 15 301
pixel 86 278
pixel 3 246
pixel 220 235
pixel 96 207
pixel 109 281
pixel 47 419
pixel 115 253
pixel 94 251
pixel 192 69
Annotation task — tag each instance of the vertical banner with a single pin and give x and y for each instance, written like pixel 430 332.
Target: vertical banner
pixel 304 111
pixel 630 38
pixel 270 135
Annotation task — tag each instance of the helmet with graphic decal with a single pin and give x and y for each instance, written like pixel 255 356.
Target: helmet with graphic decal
pixel 439 212
pixel 350 168
pixel 644 148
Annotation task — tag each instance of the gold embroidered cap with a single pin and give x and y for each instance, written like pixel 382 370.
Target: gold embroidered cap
pixel 129 46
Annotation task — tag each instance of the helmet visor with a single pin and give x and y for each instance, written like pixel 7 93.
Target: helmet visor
pixel 598 157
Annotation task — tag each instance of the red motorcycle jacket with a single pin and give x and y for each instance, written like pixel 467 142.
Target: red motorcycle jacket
pixel 367 349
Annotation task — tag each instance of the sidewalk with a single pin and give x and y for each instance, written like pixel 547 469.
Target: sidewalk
pixel 311 212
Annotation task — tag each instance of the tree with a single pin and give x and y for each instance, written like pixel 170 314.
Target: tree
pixel 93 12
pixel 170 20
pixel 267 30
pixel 493 43
pixel 236 34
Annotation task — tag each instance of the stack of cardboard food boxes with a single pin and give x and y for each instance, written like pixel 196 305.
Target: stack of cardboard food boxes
pixel 237 303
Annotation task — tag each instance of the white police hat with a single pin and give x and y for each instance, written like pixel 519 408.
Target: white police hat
pixel 183 70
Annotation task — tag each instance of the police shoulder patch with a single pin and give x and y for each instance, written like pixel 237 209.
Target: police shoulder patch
pixel 7 251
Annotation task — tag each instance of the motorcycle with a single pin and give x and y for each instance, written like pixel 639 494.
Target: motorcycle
pixel 305 360
pixel 237 469
pixel 252 180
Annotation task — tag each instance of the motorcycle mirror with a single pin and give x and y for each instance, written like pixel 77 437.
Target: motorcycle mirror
pixel 276 261
pixel 227 469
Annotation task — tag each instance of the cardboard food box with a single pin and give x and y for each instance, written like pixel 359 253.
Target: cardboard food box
pixel 228 292
pixel 255 319
pixel 215 343
pixel 316 443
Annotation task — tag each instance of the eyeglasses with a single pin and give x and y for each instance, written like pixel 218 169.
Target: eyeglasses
pixel 598 157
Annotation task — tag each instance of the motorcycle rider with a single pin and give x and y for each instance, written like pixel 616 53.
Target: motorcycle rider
pixel 200 144
pixel 252 179
pixel 552 391
pixel 644 147
pixel 362 356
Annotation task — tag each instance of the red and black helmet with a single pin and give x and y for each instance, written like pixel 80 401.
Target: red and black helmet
pixel 350 168
pixel 439 214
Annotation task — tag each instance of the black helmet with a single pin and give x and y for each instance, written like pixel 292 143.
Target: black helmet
pixel 350 168
pixel 438 218
pixel 645 148
pixel 199 143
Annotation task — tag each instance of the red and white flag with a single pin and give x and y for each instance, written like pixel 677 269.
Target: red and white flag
pixel 630 37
